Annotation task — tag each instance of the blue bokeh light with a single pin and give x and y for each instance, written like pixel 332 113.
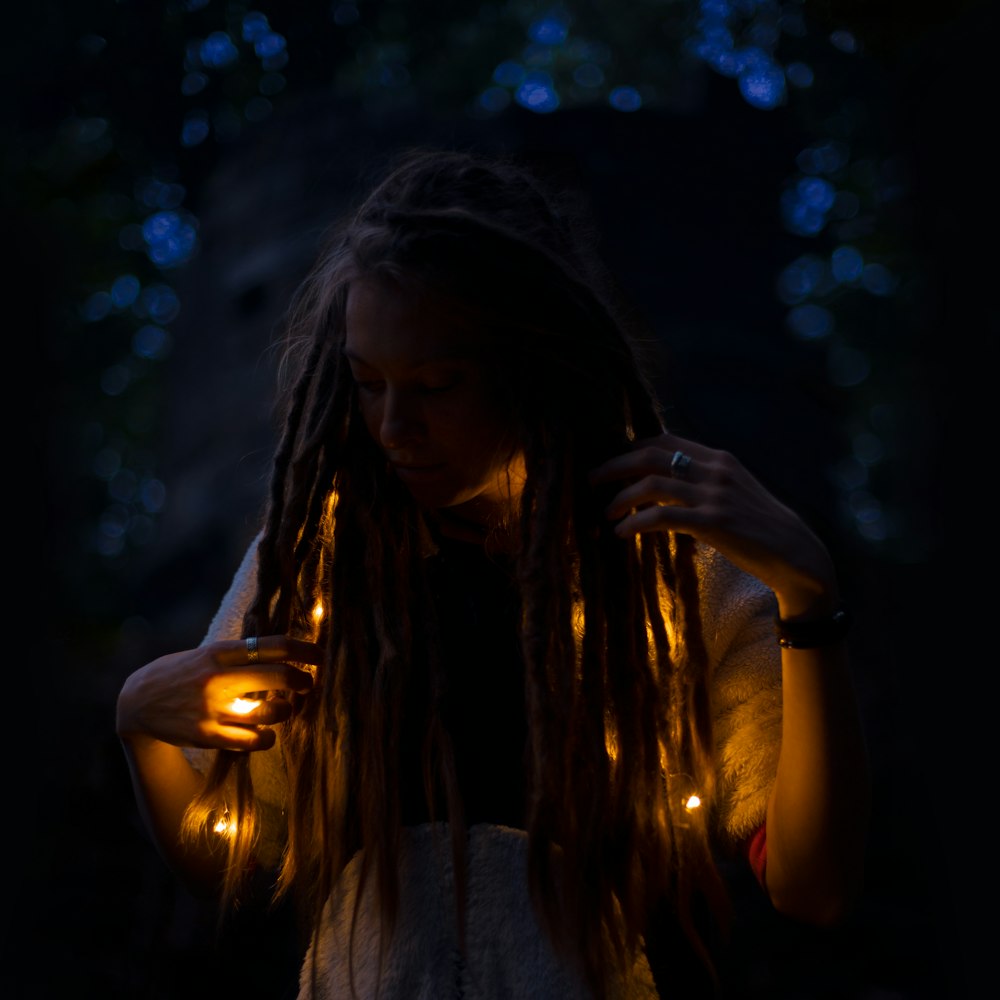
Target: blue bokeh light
pixel 721 57
pixel 868 515
pixel 152 495
pixel 96 307
pixel 800 218
pixel 762 85
pixel 799 75
pixel 549 29
pixel 810 321
pixel 625 98
pixel 158 303
pixel 218 50
pixel 846 264
pixel 844 40
pixel 493 100
pixel 171 238
pixel 509 73
pixel 537 93
pixel 193 83
pixel 825 157
pixel 151 342
pixel 805 205
pixel 255 26
pixel 761 81
pixel 125 290
pixel 878 279
pixel 816 193
pixel 111 530
pixel 270 45
pixel 801 278
pixel 196 129
pixel 155 193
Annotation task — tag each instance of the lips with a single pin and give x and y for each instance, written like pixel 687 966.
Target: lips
pixel 411 472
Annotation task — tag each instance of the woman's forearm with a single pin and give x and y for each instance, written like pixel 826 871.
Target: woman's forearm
pixel 164 784
pixel 818 813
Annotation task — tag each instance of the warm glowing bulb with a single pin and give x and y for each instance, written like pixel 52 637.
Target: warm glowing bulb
pixel 611 743
pixel 243 706
pixel 692 803
pixel 317 612
pixel 225 825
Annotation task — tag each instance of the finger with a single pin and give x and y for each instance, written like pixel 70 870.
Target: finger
pixel 237 680
pixel 648 457
pixel 248 738
pixel 269 649
pixel 652 490
pixel 669 517
pixel 255 712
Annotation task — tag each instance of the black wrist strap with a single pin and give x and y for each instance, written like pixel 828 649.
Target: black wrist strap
pixel 815 632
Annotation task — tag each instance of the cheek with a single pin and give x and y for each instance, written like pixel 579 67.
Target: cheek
pixel 371 415
pixel 479 430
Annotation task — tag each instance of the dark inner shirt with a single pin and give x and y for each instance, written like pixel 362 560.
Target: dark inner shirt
pixel 484 712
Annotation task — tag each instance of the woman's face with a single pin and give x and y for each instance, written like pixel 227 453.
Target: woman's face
pixel 427 399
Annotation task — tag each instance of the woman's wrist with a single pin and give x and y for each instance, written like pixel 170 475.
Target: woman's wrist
pixel 815 631
pixel 809 590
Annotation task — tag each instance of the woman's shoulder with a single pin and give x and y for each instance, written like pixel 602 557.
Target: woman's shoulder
pixel 227 622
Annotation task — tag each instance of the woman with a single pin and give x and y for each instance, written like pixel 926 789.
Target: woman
pixel 499 678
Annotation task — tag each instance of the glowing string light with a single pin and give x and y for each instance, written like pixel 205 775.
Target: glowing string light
pixel 225 825
pixel 243 706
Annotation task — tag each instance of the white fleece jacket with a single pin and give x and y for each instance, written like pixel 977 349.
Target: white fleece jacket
pixel 507 953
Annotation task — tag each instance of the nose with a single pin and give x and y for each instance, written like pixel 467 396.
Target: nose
pixel 402 423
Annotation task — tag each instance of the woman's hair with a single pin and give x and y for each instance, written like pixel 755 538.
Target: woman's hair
pixel 616 674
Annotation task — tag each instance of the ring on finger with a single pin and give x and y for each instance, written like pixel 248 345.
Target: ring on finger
pixel 252 654
pixel 679 464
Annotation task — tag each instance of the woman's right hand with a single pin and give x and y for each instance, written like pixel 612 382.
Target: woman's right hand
pixel 192 698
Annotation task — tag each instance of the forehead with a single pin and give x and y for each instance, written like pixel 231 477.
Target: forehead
pixel 385 317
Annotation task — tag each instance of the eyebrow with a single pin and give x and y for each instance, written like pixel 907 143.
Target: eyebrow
pixel 444 359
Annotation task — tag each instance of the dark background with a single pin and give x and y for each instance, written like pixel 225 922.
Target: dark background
pixel 686 192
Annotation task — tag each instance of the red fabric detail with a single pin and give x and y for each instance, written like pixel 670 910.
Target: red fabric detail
pixel 757 852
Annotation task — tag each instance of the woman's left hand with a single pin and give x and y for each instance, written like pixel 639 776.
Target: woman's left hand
pixel 715 499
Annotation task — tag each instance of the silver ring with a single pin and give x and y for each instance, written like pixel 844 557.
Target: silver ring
pixel 251 649
pixel 679 465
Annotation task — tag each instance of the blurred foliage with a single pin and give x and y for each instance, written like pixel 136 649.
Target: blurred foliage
pixel 118 110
